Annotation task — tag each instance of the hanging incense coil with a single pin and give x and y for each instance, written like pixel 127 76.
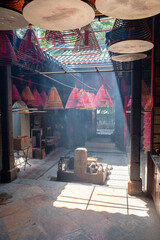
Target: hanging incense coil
pixel 11 15
pixel 53 101
pixel 29 50
pixel 88 41
pixel 37 99
pixel 80 103
pixel 68 37
pixel 103 98
pixel 58 15
pixel 128 9
pixel 7 54
pixel 130 36
pixel 54 37
pixel 15 94
pixel 87 100
pixel 73 99
pixel 11 36
pixel 27 95
pixel 44 97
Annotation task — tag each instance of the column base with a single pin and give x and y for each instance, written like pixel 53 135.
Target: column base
pixel 135 187
pixel 8 176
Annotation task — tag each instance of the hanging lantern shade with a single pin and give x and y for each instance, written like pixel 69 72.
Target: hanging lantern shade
pixel 128 9
pixel 29 50
pixel 11 15
pixel 7 54
pixel 43 97
pixel 130 36
pixel 129 57
pixel 27 95
pixel 37 99
pixel 68 37
pixel 15 94
pixel 102 98
pixel 58 15
pixel 53 103
pixel 88 41
pixel 73 99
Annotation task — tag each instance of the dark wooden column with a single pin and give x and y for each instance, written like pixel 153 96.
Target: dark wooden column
pixel 8 172
pixel 135 183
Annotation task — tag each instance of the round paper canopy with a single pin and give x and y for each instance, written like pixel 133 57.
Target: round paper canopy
pixel 131 46
pixel 11 19
pixel 135 9
pixel 128 57
pixel 58 15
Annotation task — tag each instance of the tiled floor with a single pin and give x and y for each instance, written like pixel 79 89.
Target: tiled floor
pixel 40 209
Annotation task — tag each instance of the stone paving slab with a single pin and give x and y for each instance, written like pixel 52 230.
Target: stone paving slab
pixel 50 210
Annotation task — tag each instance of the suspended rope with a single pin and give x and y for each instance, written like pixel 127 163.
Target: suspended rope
pixel 71 74
pixel 81 82
pixel 53 79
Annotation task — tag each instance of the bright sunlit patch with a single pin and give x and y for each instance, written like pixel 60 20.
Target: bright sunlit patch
pixel 19 162
pixel 101 199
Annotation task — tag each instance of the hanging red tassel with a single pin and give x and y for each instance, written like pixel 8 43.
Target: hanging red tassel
pixel 52 95
pixel 75 95
pixel 102 95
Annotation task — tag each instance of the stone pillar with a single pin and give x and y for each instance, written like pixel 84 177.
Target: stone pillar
pixel 135 183
pixel 8 172
pixel 80 161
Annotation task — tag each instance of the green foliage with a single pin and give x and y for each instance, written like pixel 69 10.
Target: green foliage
pixel 105 115
pixel 102 25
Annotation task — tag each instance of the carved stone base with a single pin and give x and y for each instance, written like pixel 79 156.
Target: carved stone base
pixel 135 187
